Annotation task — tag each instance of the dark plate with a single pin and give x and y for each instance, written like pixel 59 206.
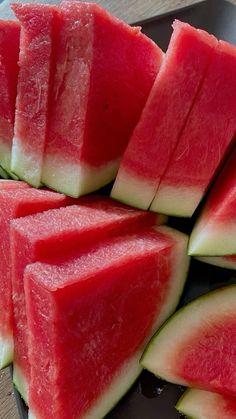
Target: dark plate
pixel 151 398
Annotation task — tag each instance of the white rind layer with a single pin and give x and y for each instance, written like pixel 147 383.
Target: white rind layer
pixel 160 357
pixel 21 383
pixel 201 404
pixel 133 190
pixel 212 239
pixel 132 369
pixel 26 165
pixel 220 261
pixel 6 351
pixel 178 201
pixel 76 179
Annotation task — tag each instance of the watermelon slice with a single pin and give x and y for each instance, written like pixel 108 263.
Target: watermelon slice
pixel 203 337
pixel 33 87
pixel 89 323
pixel 157 133
pixel 9 55
pixel 200 404
pixel 206 138
pixel 16 200
pixel 228 262
pixel 97 96
pixel 54 233
pixel 215 229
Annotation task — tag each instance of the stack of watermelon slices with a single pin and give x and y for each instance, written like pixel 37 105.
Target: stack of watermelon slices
pixel 78 97
pixel 102 276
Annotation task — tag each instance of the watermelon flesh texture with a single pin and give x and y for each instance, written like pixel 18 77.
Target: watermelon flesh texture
pixel 202 335
pixel 97 96
pixel 156 135
pixel 100 309
pixel 206 138
pixel 200 404
pixel 215 229
pixel 228 262
pixel 33 89
pixel 54 233
pixel 16 200
pixel 9 55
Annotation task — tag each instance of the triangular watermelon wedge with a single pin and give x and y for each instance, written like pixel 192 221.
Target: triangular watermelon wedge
pixel 200 404
pixel 196 346
pixel 164 116
pixel 90 322
pixel 215 230
pixel 206 138
pixel 97 96
pixel 37 26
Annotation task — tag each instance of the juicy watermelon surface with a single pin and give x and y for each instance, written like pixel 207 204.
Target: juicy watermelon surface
pixel 122 289
pixel 157 132
pixel 96 99
pixel 200 404
pixel 9 55
pixel 33 90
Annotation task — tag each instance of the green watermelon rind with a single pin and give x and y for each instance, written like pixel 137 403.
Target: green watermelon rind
pixel 20 384
pixel 176 323
pixel 6 351
pixel 3 173
pixel 180 405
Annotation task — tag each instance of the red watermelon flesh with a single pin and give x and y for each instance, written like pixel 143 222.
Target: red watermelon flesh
pixel 90 317
pixel 203 340
pixel 55 233
pixel 33 89
pixel 202 404
pixel 214 232
pixel 9 55
pixel 228 262
pixel 104 70
pixel 207 136
pixel 164 116
pixel 16 203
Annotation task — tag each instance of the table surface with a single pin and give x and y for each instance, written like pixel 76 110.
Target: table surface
pixel 130 11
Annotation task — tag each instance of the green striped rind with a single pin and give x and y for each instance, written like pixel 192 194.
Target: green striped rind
pixel 3 174
pixel 162 354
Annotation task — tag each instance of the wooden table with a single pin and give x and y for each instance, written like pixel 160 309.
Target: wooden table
pixel 131 11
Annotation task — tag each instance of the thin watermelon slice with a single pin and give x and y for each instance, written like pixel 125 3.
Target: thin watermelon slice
pixel 196 345
pixel 157 132
pixel 215 229
pixel 9 56
pixel 206 138
pixel 200 404
pixel 59 232
pixel 97 96
pixel 228 262
pixel 16 200
pixel 33 89
pixel 91 320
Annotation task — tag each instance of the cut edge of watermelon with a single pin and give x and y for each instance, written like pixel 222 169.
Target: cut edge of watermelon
pixel 6 351
pixel 179 326
pixel 21 383
pixel 26 166
pixel 177 201
pixel 76 179
pixel 132 190
pixel 191 401
pixel 220 261
pixel 122 383
pixel 212 239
